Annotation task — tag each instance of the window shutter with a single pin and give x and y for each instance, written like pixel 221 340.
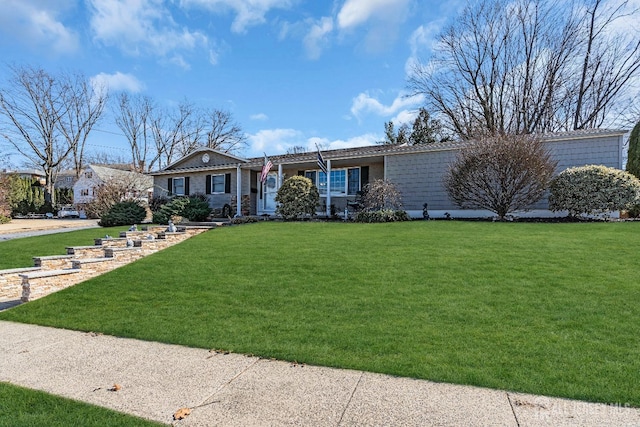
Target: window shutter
pixel 227 183
pixel 300 173
pixel 186 185
pixel 170 186
pixel 208 184
pixel 364 176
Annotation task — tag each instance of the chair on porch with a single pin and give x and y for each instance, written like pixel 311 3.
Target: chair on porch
pixel 356 204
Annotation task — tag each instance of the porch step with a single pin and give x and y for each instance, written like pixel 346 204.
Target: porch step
pixel 40 283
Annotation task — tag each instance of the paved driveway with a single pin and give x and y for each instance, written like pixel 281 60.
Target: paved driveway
pixel 33 227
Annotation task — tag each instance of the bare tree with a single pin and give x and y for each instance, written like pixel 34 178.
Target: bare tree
pixel 85 104
pixel 179 132
pixel 502 174
pixel 176 133
pixel 123 186
pixel 528 66
pixel 223 133
pixel 31 107
pixel 608 63
pixel 381 194
pixel 134 118
pixel 297 149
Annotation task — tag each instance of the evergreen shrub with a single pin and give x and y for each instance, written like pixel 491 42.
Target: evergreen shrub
pixel 593 190
pixel 123 213
pixel 297 197
pixel 382 215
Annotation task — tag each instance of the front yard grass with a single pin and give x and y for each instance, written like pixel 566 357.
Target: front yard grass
pixel 19 252
pixel 23 407
pixel 540 308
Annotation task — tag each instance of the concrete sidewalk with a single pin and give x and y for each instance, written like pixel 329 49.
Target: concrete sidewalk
pixel 235 390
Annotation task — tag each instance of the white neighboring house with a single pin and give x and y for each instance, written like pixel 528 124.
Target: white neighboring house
pixel 93 176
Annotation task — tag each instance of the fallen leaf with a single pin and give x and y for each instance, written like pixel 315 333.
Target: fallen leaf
pixel 115 387
pixel 181 413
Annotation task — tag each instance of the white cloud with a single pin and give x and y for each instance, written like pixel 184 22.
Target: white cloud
pixel 117 82
pixel 37 23
pixel 356 12
pixel 405 117
pixel 274 141
pixel 366 104
pixel 278 141
pixel 140 27
pixel 248 12
pixel 317 37
pixel 260 116
pixel 383 19
pixel 423 40
pixel 336 144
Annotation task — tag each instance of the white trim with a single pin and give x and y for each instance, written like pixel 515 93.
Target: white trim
pixel 200 150
pixel 481 213
pixel 238 191
pixel 173 185
pixel 224 182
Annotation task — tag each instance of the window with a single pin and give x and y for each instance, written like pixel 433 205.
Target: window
pixel 178 186
pixel 84 192
pixel 311 175
pixel 217 184
pixel 353 181
pixel 88 175
pixel 343 181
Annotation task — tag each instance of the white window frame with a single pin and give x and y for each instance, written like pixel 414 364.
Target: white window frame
pixel 345 190
pixel 224 183
pixel 173 184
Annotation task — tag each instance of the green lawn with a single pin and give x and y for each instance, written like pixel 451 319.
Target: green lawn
pixel 21 407
pixel 541 308
pixel 17 253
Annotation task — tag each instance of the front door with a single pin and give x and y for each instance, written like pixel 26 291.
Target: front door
pixel 269 189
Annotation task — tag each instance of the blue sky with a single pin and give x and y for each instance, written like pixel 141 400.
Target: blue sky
pixel 291 72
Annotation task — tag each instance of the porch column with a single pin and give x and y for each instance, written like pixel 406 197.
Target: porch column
pixel 238 191
pixel 279 176
pixel 328 188
pixel 384 159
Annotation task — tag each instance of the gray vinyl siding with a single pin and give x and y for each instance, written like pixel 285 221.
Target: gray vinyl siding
pixel 198 182
pixel 418 176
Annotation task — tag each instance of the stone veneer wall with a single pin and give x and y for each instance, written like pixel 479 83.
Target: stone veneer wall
pixel 11 282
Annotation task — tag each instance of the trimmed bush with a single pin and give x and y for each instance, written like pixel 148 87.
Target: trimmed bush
pixel 172 209
pixel 193 208
pixel 633 158
pixel 297 197
pixel 503 174
pixel 382 215
pixel 197 209
pixel 123 213
pixel 593 190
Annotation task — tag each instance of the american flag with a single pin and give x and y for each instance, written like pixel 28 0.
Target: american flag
pixel 321 164
pixel 265 169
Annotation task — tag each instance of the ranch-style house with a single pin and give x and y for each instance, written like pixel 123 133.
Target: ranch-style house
pixel 232 184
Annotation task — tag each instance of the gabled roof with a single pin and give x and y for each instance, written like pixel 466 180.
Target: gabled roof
pixel 105 173
pixel 234 159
